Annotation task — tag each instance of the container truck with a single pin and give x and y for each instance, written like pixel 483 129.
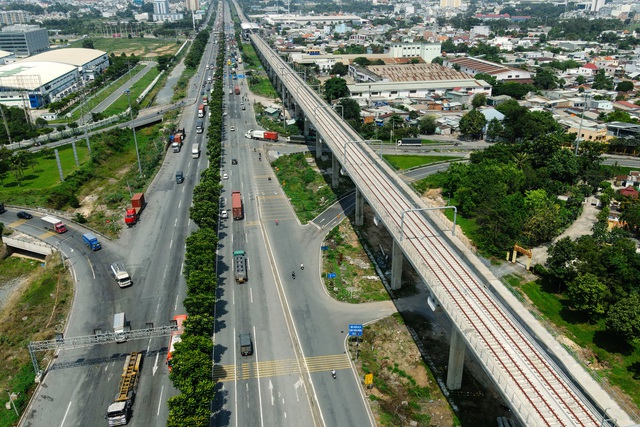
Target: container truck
pixel 237 88
pixel 176 337
pixel 296 139
pixel 201 111
pixel 240 266
pixel 91 241
pixel 262 135
pixel 236 205
pixel 205 100
pixel 195 150
pixel 119 412
pixel 137 206
pixel 53 224
pixel 177 139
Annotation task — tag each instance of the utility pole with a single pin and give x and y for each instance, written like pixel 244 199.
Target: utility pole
pixel 133 129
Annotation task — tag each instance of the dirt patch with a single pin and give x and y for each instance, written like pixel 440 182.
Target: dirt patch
pixel 403 391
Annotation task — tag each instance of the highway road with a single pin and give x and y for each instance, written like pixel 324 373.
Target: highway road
pixel 298 330
pixel 80 385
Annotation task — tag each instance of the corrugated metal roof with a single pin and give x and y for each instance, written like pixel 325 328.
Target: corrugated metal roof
pixel 72 56
pixel 31 75
pixel 416 72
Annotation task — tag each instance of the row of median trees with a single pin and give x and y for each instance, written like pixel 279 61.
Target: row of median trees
pixel 192 364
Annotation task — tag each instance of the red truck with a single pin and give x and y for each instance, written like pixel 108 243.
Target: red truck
pixel 262 135
pixel 137 206
pixel 201 111
pixel 236 205
pixel 237 90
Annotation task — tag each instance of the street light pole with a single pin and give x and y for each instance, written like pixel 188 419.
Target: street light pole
pixel 133 129
pixel 586 95
pixel 13 403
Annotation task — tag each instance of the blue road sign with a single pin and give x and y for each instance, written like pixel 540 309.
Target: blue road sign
pixel 324 248
pixel 355 330
pixel 240 76
pixel 331 275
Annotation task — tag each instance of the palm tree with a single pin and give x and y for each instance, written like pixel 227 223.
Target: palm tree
pixel 520 159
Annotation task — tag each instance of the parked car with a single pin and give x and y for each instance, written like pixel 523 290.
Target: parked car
pixel 225 176
pixel 232 128
pixel 224 214
pixel 24 215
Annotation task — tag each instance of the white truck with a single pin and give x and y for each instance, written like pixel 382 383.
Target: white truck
pixel 54 224
pixel 120 274
pixel 195 150
pixel 120 327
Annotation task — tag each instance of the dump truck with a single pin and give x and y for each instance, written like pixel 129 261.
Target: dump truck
pixel 119 412
pixel 92 241
pixel 237 89
pixel 240 266
pixel 236 205
pixel 137 206
pixel 262 135
pixel 54 224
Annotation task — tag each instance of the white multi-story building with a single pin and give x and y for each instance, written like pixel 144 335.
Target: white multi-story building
pixel 426 51
pixel 12 17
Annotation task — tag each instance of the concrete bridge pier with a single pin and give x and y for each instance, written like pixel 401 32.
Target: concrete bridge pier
pixel 335 171
pixel 396 265
pixel 456 360
pixel 318 146
pixel 359 208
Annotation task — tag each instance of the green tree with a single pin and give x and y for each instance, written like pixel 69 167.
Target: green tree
pixel 335 88
pixel 494 130
pixel 362 61
pixel 581 80
pixel 351 109
pixel 541 224
pixel 472 124
pixel 339 69
pixel 479 100
pixel 87 44
pixel 487 78
pixel 561 261
pixel 545 79
pixel 438 60
pixel 624 318
pixel 427 124
pixel 625 86
pixel 601 81
pixel 587 293
pixel 631 215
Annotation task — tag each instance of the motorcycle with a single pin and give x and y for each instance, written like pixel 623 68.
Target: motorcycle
pixel 301 266
pixel 293 275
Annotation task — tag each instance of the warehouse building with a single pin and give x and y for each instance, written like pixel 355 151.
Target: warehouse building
pixel 91 62
pixel 35 84
pixel 24 40
pixel 371 92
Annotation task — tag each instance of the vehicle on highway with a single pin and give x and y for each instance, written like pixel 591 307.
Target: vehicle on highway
pixel 199 126
pixel 412 142
pixel 261 135
pixel 195 150
pixel 119 412
pixel 179 177
pixel 236 205
pixel 201 110
pixel 234 161
pixel 246 345
pixel 176 337
pixel 54 224
pixel 243 107
pixel 24 215
pixel 232 128
pixel 225 176
pixel 91 241
pixel 133 213
pixel 240 266
pixel 224 214
pixel 120 275
pixel 120 327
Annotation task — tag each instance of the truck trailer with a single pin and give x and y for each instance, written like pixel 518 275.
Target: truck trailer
pixel 296 139
pixel 236 205
pixel 262 135
pixel 54 224
pixel 201 111
pixel 119 412
pixel 177 139
pixel 237 88
pixel 137 206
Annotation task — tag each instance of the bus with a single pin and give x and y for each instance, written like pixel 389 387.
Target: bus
pixel 176 337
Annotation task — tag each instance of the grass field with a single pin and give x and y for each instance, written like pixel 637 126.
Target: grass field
pixel 44 172
pixel 404 162
pixel 143 47
pixel 121 104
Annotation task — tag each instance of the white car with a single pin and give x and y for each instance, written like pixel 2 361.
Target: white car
pixel 232 128
pixel 224 214
pixel 224 114
pixel 225 176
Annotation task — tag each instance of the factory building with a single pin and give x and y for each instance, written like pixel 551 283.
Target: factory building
pixel 24 40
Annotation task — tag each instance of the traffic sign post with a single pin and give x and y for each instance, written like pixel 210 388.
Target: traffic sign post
pixel 355 330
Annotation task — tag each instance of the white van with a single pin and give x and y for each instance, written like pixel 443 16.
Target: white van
pixel 121 275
